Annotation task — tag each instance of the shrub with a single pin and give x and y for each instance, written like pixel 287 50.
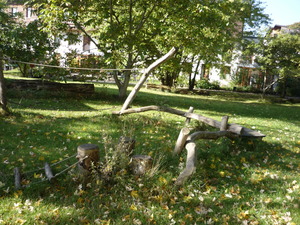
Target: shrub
pixel 205 84
pixel 292 87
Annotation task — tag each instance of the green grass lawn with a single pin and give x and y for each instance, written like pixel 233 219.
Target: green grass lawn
pixel 236 182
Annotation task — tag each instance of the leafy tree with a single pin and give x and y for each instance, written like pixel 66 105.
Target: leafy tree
pixel 295 26
pixel 28 43
pixel 280 56
pixel 6 24
pixel 135 32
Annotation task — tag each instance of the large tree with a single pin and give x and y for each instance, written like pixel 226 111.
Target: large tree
pixel 129 32
pixel 6 25
pixel 280 55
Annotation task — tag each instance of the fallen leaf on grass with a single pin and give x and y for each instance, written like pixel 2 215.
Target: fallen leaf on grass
pixel 134 194
pixel 133 207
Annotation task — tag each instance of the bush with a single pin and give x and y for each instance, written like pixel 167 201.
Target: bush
pixel 292 87
pixel 205 84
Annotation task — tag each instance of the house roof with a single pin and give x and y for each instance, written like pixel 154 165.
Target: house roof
pixel 283 29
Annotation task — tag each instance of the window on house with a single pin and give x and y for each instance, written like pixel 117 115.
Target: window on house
pixel 205 71
pixel 14 10
pixel 225 72
pixel 86 43
pixel 29 12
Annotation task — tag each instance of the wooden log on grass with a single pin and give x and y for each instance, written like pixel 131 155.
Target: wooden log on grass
pixel 213 135
pixel 17 175
pixel 50 86
pixel 234 128
pixel 183 135
pixel 214 123
pixel 88 157
pixel 191 161
pixel 140 164
pixel 188 120
pixel 224 123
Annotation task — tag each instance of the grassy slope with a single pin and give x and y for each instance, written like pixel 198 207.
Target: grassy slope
pixel 235 181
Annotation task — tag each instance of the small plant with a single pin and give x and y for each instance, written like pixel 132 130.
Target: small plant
pixel 116 158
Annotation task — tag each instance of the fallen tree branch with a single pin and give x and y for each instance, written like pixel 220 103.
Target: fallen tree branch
pixel 211 135
pixel 191 161
pixel 234 128
pixel 144 77
pixel 190 146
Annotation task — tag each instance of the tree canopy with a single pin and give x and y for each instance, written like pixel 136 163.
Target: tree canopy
pixel 132 32
pixel 280 55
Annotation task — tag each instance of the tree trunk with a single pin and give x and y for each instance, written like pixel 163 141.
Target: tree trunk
pixel 193 79
pixel 3 100
pixel 284 84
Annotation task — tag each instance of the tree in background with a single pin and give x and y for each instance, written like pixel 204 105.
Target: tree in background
pixel 28 43
pixel 136 32
pixel 6 22
pixel 280 56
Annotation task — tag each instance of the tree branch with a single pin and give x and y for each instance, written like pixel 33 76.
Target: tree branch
pixel 144 77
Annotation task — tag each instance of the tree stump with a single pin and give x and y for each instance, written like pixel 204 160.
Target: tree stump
pixel 140 164
pixel 88 157
pixel 126 145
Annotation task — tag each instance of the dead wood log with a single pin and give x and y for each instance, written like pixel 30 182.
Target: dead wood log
pixel 144 77
pixel 234 128
pixel 191 151
pixel 224 123
pixel 50 86
pixel 181 140
pixel 140 164
pixel 188 120
pixel 212 135
pixel 88 156
pixel 191 161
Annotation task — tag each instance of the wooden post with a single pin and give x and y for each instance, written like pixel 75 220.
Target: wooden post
pixel 48 171
pixel 224 123
pixel 140 164
pixel 183 135
pixel 188 120
pixel 126 145
pixel 190 167
pixel 88 156
pixel 17 178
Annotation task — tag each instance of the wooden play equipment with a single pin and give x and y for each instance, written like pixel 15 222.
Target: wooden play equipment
pixel 187 140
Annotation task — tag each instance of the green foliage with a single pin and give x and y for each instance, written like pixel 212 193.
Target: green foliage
pixel 27 43
pixel 280 56
pixel 86 61
pixel 206 84
pixel 135 33
pixel 291 86
pixel 295 26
